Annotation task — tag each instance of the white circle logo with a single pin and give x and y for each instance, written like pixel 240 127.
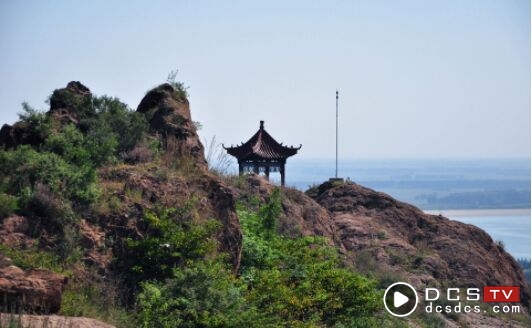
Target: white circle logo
pixel 400 299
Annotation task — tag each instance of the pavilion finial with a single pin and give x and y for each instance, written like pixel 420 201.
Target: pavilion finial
pixel 262 125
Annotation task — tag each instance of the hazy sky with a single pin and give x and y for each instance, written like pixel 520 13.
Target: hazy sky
pixel 417 79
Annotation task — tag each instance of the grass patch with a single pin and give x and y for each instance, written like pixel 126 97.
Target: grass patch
pixel 33 258
pixel 97 300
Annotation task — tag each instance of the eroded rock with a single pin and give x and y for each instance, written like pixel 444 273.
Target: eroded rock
pixel 168 114
pixel 35 291
pixel 418 244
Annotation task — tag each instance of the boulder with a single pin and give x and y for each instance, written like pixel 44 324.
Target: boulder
pixel 20 133
pixel 168 114
pixel 67 106
pixel 15 232
pixel 71 104
pixel 49 321
pixel 424 249
pixel 36 291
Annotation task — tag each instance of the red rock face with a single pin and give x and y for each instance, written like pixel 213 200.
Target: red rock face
pixel 51 321
pixel 169 116
pixel 425 249
pixel 36 291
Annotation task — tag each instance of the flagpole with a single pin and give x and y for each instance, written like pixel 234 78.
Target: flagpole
pixel 336 171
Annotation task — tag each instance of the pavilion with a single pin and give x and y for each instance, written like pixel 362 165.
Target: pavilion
pixel 262 154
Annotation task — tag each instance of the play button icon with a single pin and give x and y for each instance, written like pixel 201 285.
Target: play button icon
pixel 400 299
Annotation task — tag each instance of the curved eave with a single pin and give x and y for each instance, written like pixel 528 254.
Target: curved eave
pixel 262 146
pixel 245 153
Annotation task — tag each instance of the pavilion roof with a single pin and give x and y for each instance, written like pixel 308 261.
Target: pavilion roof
pixel 262 146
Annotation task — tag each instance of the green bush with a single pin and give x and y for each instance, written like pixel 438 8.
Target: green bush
pixel 114 117
pixel 169 242
pixel 270 212
pixel 61 172
pixel 24 168
pixel 56 179
pixel 95 299
pixel 39 122
pixel 296 282
pixel 92 150
pixel 200 294
pixel 282 282
pixel 8 205
pixel 69 145
pixel 180 89
pixel 78 104
pixel 299 281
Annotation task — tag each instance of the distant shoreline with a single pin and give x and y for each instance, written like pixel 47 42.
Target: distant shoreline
pixel 481 212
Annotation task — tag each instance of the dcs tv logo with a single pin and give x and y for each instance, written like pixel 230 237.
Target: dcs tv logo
pixel 401 299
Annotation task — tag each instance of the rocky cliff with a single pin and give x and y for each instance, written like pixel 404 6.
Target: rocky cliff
pixel 375 233
pixel 168 114
pixel 427 250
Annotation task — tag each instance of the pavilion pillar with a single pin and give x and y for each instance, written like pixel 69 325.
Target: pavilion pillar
pixel 267 171
pixel 282 174
pixel 240 168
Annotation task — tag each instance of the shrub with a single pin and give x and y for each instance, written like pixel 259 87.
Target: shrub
pixel 270 212
pixel 69 145
pixel 168 242
pixel 283 281
pixel 32 258
pixel 38 121
pixel 43 203
pixel 79 104
pixel 200 294
pixel 95 298
pixel 24 168
pixel 128 127
pixel 180 90
pixel 8 205
pixel 94 149
pixel 300 281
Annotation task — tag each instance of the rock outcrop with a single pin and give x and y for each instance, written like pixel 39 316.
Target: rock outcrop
pixel 67 105
pixel 20 133
pixel 213 199
pixel 71 104
pixel 168 114
pixel 35 291
pixel 15 231
pixel 49 321
pixel 427 250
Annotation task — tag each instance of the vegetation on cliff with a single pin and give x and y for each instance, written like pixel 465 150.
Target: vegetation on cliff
pixel 172 271
pixel 281 281
pixel 121 202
